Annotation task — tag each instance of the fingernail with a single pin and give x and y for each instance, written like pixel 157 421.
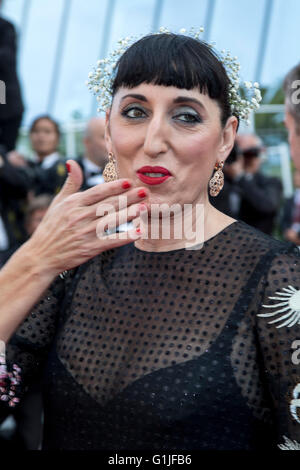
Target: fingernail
pixel 142 193
pixel 68 166
pixel 142 207
pixel 126 185
pixel 138 230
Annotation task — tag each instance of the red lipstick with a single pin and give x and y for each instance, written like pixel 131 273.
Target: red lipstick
pixel 153 174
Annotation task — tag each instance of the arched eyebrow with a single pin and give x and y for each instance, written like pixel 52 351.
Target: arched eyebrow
pixel 178 100
pixel 188 99
pixel 134 95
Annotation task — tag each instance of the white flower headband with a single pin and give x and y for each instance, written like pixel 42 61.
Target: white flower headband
pixel 101 78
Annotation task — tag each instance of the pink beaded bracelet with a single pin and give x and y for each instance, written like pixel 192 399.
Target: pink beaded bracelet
pixel 9 382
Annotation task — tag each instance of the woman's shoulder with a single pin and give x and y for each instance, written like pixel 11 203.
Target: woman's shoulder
pixel 250 239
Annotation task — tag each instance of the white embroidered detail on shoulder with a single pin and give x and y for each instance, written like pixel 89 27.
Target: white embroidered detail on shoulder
pixel 290 303
pixel 295 403
pixel 289 444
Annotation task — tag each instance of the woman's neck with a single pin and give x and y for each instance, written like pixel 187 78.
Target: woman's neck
pixel 202 223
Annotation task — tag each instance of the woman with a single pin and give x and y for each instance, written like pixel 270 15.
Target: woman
pixel 48 173
pixel 151 345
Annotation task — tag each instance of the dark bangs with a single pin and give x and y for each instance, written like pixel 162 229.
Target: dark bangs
pixel 175 60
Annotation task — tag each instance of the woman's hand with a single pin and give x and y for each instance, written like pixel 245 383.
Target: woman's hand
pixel 70 232
pixel 66 238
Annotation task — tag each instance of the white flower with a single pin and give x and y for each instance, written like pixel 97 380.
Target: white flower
pixel 100 80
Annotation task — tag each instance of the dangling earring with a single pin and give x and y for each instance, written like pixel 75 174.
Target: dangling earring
pixel 110 172
pixel 216 183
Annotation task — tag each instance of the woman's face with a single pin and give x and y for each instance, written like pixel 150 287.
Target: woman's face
pixel 177 129
pixel 44 138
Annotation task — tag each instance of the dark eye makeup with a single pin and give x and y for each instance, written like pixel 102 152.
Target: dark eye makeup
pixel 184 114
pixel 133 112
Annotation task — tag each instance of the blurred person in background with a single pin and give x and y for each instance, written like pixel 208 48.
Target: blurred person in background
pixel 11 108
pixel 95 153
pixel 48 173
pixel 292 112
pixel 290 220
pixel 260 194
pixel 14 187
pixel 25 430
pixel 291 215
pixel 35 211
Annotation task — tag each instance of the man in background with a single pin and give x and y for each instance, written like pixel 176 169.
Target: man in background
pixel 249 195
pixel 291 87
pixel 95 153
pixel 260 194
pixel 11 110
pixel 290 219
pixel 14 187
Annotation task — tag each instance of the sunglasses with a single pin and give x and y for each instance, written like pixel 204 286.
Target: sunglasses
pixel 252 152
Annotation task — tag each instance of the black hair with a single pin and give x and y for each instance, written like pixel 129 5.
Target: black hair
pixel 49 118
pixel 170 59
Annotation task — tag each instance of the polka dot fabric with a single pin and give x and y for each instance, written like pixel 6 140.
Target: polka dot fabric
pixel 165 350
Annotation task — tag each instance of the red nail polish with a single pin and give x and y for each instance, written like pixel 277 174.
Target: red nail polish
pixel 138 230
pixel 126 185
pixel 68 166
pixel 142 193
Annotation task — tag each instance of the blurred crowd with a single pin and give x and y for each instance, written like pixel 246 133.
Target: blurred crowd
pixel 27 185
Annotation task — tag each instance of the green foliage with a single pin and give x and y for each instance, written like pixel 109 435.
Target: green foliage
pixel 270 125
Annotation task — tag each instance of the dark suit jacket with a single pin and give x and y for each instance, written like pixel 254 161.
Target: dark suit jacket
pixel 223 201
pixel 48 180
pixel 260 201
pixel 286 218
pixel 14 186
pixel 14 105
pixel 85 184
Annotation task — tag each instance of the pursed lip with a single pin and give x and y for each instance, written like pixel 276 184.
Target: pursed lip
pixel 153 169
pixel 151 180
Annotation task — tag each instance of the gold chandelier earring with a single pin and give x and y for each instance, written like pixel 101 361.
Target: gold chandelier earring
pixel 216 183
pixel 110 171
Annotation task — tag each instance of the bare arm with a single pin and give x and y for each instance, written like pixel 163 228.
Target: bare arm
pixel 66 238
pixel 23 280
